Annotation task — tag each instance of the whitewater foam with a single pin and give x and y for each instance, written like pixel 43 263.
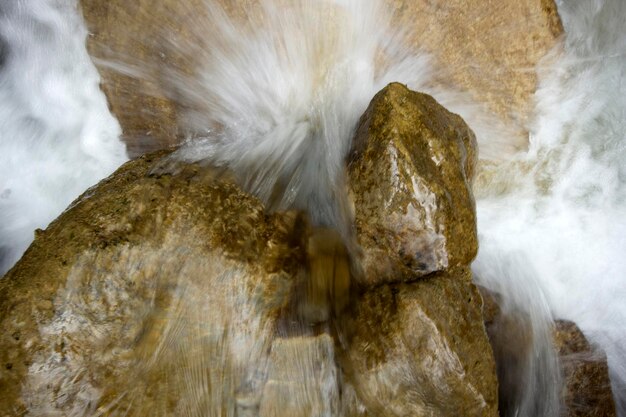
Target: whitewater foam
pixel 57 136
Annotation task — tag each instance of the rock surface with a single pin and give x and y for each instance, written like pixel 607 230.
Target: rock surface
pixel 586 384
pixel 410 179
pixel 586 387
pixel 176 295
pixel 418 350
pixel 487 48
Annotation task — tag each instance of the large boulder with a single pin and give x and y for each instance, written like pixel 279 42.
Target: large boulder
pixel 177 294
pixel 419 350
pixel 489 49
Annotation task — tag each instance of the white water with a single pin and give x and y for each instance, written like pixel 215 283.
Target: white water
pixel 287 92
pixel 57 136
pixel 560 224
pixel 287 95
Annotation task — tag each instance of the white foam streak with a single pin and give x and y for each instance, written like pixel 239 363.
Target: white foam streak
pixel 57 136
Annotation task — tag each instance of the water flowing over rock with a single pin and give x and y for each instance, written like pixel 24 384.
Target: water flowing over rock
pixel 585 387
pixel 487 49
pixel 176 294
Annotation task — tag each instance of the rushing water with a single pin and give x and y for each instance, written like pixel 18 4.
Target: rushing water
pixel 552 220
pixel 555 217
pixel 57 136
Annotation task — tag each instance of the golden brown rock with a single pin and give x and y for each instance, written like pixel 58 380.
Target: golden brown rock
pixel 420 349
pixel 176 295
pixel 410 178
pixel 487 48
pixel 152 296
pixel 302 380
pixel 586 385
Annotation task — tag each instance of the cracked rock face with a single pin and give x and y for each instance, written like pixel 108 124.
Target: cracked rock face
pixel 174 294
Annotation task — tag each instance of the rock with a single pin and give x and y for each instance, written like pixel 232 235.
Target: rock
pixel 586 387
pixel 585 384
pixel 127 44
pixel 487 48
pixel 302 380
pixel 410 179
pixel 177 294
pixel 151 295
pixel 420 349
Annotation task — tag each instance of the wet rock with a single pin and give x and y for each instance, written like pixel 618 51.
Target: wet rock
pixel 151 295
pixel 586 387
pixel 420 349
pixel 302 380
pixel 410 178
pixel 489 49
pixel 177 294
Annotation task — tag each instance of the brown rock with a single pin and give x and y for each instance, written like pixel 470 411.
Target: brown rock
pixel 151 295
pixel 302 380
pixel 487 48
pixel 420 349
pixel 176 295
pixel 586 387
pixel 410 178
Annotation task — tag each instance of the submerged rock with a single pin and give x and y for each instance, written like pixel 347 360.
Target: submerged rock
pixel 177 294
pixel 585 387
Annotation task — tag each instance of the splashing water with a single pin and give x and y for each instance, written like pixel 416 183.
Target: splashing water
pixel 555 218
pixel 57 136
pixel 277 101
pixel 284 95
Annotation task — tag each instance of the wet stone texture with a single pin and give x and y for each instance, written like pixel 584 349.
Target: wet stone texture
pixel 586 387
pixel 176 294
pixel 419 349
pixel 410 178
pixel 486 48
